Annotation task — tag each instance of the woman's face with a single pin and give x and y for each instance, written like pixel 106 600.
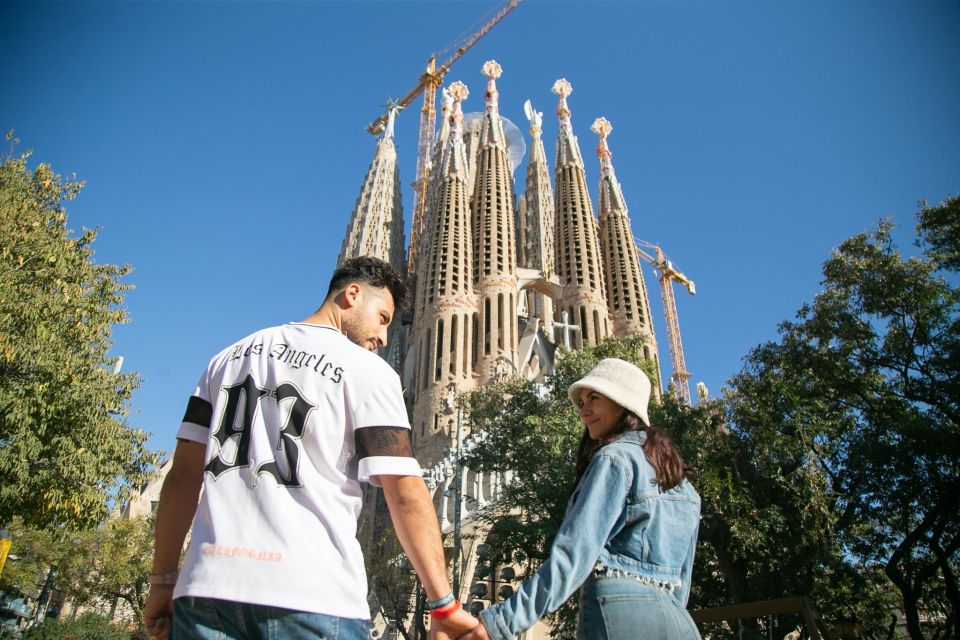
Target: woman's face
pixel 598 413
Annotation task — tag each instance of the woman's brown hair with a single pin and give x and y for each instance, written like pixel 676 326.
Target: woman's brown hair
pixel 659 450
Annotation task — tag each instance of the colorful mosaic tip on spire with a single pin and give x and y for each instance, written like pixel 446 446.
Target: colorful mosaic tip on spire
pixel 459 93
pixel 492 69
pixel 602 127
pixel 562 88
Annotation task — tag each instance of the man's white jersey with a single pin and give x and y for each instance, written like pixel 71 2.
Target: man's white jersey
pixel 277 519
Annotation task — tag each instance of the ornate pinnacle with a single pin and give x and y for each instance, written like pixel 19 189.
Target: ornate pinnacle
pixel 602 127
pixel 492 69
pixel 535 117
pixel 459 93
pixel 446 100
pixel 562 88
pixel 391 117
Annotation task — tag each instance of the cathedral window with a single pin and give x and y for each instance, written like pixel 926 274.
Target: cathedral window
pixel 500 323
pixel 453 346
pixel 584 330
pixel 475 332
pixel 486 326
pixel 438 352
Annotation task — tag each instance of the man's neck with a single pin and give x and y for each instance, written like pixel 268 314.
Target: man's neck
pixel 328 314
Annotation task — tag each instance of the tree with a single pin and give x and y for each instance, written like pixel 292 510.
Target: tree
pixel 866 381
pixel 106 567
pixel 65 446
pixel 766 529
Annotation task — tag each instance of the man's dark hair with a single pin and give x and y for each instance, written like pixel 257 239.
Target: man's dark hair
pixel 372 271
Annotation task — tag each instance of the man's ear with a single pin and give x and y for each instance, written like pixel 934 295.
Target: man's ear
pixel 351 295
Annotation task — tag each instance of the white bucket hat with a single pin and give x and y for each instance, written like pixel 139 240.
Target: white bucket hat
pixel 623 382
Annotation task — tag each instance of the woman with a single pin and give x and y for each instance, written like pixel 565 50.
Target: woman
pixel 630 529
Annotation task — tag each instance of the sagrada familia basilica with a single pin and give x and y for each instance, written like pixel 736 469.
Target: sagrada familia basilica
pixel 501 281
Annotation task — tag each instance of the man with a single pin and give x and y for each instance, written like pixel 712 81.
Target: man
pixel 280 431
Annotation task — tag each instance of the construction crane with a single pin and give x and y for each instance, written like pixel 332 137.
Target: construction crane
pixel 428 83
pixel 667 274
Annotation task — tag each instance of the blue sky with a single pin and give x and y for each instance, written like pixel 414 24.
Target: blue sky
pixel 223 144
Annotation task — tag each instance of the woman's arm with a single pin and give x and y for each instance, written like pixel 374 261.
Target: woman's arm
pixel 597 508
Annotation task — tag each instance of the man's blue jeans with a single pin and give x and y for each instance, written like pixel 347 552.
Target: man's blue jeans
pixel 211 619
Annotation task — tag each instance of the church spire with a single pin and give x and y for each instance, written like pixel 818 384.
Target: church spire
pixel 376 223
pixel 627 294
pixel 537 227
pixel 577 250
pixel 445 300
pixel 535 222
pixel 494 248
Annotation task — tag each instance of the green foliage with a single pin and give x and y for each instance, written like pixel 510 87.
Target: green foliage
pixel 65 446
pixel 98 567
pixel 87 626
pixel 863 387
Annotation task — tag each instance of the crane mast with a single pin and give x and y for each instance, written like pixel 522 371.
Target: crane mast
pixel 429 81
pixel 667 275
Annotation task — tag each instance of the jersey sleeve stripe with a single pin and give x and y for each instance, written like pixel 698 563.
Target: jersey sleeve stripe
pixel 374 466
pixel 199 412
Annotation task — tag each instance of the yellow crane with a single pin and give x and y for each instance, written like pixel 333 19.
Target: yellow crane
pixel 427 85
pixel 666 275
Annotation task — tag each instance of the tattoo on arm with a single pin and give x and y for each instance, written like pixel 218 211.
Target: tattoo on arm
pixel 383 441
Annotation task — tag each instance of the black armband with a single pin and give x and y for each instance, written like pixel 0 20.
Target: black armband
pixel 383 441
pixel 199 412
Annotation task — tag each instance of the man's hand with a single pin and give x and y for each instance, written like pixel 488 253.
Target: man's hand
pixel 453 626
pixel 479 632
pixel 158 613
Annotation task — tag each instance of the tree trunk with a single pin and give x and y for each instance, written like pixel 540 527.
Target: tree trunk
pixel 909 596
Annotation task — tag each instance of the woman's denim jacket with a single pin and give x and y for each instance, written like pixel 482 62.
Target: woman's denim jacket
pixel 617 520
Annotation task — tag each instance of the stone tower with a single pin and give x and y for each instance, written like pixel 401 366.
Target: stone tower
pixel 627 296
pixel 494 252
pixel 577 251
pixel 446 304
pixel 376 224
pixel 535 223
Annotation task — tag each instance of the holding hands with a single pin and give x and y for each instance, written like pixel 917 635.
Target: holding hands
pixel 479 632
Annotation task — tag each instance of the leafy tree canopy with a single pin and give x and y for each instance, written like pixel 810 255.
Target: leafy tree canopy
pixel 100 567
pixel 865 382
pixel 65 445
